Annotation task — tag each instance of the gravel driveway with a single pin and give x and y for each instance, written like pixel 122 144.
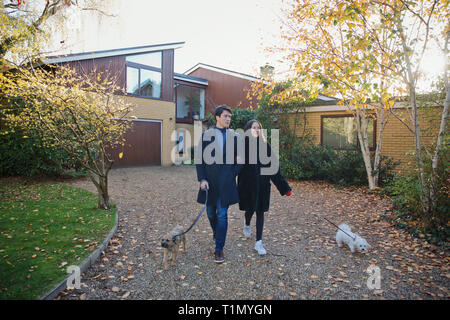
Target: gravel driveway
pixel 303 260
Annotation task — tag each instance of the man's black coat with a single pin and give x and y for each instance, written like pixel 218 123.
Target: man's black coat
pixel 221 177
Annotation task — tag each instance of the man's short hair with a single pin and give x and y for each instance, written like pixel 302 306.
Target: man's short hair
pixel 220 109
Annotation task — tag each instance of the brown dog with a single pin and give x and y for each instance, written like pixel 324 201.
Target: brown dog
pixel 171 244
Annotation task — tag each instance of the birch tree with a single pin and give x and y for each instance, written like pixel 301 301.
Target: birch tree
pixel 332 49
pixel 369 52
pixel 416 25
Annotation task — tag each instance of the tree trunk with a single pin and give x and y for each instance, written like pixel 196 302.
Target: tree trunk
pixel 440 137
pixel 411 83
pixel 361 124
pixel 103 200
pixel 102 189
pixel 382 119
pixel 103 196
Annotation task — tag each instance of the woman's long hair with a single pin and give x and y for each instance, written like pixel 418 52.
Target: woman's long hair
pixel 249 125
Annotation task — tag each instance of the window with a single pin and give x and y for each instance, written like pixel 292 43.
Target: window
pixel 132 80
pixel 190 103
pixel 144 74
pixel 152 59
pixel 340 132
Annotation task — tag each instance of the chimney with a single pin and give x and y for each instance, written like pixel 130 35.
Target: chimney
pixel 266 72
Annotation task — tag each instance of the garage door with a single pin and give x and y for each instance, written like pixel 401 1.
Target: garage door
pixel 142 145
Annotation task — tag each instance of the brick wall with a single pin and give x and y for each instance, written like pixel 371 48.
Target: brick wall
pixel 398 141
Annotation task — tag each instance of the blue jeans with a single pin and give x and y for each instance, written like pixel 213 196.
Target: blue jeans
pixel 218 219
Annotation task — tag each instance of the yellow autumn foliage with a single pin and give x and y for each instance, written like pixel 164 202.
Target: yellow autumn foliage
pixel 70 111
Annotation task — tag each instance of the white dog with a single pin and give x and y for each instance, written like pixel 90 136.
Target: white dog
pixel 353 241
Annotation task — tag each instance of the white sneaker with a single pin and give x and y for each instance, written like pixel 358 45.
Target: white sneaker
pixel 247 231
pixel 259 247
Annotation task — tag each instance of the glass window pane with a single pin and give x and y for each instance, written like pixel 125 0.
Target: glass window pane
pixel 152 59
pixel 341 132
pixel 370 132
pixel 198 103
pixel 150 83
pixel 183 102
pixel 202 101
pixel 132 80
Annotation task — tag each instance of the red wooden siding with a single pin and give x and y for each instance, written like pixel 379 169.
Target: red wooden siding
pixel 167 75
pixel 223 89
pixel 114 66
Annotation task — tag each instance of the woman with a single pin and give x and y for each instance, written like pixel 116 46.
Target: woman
pixel 253 187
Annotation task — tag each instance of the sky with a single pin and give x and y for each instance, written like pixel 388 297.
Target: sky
pixel 230 34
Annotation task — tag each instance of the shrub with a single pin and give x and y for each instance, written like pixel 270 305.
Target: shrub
pixel 26 156
pixel 238 119
pixel 304 160
pixel 406 193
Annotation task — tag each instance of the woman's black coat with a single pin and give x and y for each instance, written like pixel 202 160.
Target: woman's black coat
pixel 254 188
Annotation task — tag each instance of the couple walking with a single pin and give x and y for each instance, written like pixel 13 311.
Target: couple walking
pixel 219 177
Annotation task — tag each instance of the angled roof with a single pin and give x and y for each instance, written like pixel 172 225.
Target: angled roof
pixel 222 70
pixel 184 77
pixel 324 97
pixel 110 53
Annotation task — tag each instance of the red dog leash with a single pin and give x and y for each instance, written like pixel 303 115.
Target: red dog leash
pixel 353 238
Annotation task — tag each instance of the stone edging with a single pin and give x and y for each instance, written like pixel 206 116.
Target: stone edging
pixel 84 265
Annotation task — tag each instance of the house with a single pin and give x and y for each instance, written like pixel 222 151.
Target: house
pixel 146 75
pixel 333 125
pixel 164 101
pixel 203 87
pixel 224 86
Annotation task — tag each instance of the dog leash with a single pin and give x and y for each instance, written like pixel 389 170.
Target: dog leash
pixel 196 219
pixel 353 238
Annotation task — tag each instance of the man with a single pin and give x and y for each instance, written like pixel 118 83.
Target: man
pixel 218 175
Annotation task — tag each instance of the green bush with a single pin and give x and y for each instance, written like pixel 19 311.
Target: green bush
pixel 239 117
pixel 24 154
pixel 307 161
pixel 408 205
pixel 405 192
pixel 26 157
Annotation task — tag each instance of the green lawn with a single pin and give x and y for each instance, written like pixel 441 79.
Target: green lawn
pixel 44 228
